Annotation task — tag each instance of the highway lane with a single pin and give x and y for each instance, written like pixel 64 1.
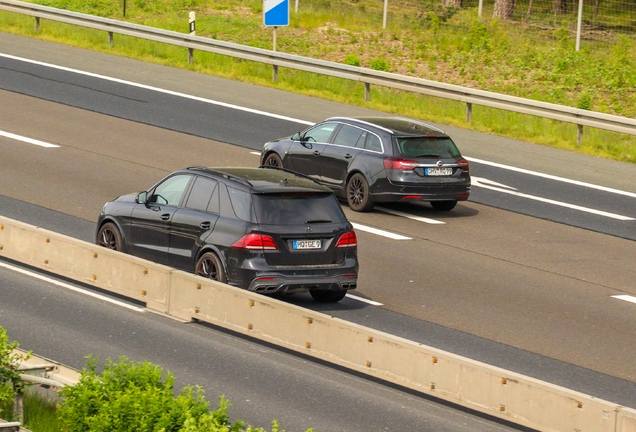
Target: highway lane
pixel 543 197
pixel 262 382
pixel 505 277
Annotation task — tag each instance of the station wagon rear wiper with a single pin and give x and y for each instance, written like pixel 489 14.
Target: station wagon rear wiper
pixel 431 155
pixel 318 221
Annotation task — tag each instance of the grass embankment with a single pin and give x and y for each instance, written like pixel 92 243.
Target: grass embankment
pixel 422 39
pixel 40 413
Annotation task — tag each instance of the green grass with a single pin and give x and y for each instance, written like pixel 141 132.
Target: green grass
pixel 39 412
pixel 423 39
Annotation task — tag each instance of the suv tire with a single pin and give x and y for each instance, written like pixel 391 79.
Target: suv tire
pixel 210 266
pixel 110 237
pixel 324 296
pixel 443 205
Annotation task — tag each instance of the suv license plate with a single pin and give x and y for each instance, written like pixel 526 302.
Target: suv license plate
pixel 307 244
pixel 438 171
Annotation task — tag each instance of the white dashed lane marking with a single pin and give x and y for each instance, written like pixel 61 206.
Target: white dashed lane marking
pixel 628 298
pixel 27 140
pixel 410 216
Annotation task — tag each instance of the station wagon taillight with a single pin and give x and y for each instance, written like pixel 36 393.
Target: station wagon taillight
pixel 255 242
pixel 403 164
pixel 463 164
pixel 347 240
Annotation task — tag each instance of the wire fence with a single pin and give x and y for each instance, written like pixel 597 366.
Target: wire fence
pixel 603 22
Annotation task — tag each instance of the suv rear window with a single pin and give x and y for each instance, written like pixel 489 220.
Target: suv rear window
pixel 433 147
pixel 297 208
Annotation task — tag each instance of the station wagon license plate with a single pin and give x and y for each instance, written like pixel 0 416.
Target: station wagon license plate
pixel 438 171
pixel 307 244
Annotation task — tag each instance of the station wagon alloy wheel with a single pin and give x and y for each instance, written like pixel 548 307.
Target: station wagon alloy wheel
pixel 358 194
pixel 274 160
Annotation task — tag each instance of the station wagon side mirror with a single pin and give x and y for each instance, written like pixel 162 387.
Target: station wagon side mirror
pixel 142 198
pixel 296 136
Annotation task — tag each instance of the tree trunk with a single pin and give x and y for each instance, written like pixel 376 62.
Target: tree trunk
pixel 530 9
pixel 560 7
pixel 455 3
pixel 504 9
pixel 596 8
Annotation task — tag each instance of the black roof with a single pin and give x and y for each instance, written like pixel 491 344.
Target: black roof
pixel 400 126
pixel 266 180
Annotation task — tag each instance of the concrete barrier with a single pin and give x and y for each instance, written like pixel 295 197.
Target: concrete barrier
pixel 478 386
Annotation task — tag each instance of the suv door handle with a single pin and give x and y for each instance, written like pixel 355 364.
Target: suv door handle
pixel 205 225
pixel 348 156
pixel 316 153
pixel 165 216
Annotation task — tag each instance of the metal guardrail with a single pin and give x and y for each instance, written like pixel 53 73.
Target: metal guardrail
pixel 466 95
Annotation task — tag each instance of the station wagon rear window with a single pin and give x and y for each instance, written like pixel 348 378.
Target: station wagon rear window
pixel 297 208
pixel 431 147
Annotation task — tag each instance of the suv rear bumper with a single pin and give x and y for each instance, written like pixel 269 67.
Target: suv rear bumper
pixel 277 283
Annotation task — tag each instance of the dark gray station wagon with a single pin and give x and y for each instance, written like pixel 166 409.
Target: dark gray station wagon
pixel 263 229
pixel 368 160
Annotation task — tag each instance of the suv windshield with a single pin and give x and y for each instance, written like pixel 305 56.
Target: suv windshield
pixel 297 208
pixel 432 147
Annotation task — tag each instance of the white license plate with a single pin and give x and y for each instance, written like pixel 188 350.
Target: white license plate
pixel 307 244
pixel 438 171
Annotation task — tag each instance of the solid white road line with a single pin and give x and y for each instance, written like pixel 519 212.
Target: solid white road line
pixel 371 302
pixel 628 298
pixel 71 287
pixel 552 177
pixel 157 89
pixel 27 140
pixel 379 232
pixel 484 183
pixel 410 216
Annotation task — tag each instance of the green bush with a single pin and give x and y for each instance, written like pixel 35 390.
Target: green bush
pixel 380 64
pixel 137 397
pixel 9 362
pixel 352 60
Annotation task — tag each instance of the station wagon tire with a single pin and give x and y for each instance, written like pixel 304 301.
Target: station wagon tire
pixel 110 237
pixel 358 194
pixel 444 205
pixel 210 266
pixel 273 159
pixel 324 296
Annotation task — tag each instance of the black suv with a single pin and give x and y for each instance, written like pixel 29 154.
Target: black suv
pixel 262 229
pixel 368 160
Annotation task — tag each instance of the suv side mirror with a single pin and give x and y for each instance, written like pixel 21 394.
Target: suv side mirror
pixel 296 136
pixel 142 198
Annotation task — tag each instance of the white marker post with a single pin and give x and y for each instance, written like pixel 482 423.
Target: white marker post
pixel 192 18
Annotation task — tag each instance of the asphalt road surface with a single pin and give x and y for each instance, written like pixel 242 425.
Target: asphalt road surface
pixel 522 276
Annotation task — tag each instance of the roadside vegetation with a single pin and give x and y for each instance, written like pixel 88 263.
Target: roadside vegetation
pixel 125 397
pixel 423 38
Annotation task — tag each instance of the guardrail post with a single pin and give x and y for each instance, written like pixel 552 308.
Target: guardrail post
pixel 18 402
pixel 37 24
pixel 190 55
pixel 579 134
pixel 469 112
pixel 275 67
pixel 367 92
pixel 110 39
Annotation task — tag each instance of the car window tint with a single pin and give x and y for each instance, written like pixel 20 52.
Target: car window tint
pixel 432 147
pixel 373 143
pixel 201 194
pixel 362 139
pixel 297 208
pixel 347 136
pixel 242 204
pixel 213 205
pixel 320 133
pixel 171 190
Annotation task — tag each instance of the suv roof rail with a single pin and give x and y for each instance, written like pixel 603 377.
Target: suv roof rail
pixel 291 172
pixel 222 174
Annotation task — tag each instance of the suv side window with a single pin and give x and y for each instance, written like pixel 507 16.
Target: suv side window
pixel 320 133
pixel 347 136
pixel 171 190
pixel 202 193
pixel 242 204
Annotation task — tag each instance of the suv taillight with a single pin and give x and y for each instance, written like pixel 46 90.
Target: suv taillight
pixel 403 164
pixel 347 240
pixel 255 242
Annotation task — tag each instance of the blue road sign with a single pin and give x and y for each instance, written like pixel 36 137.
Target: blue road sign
pixel 276 12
